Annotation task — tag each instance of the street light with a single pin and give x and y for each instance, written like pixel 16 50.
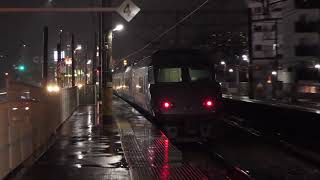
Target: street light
pixel 79 47
pixel 125 62
pixel 274 73
pixel 119 27
pixel 231 70
pixel 245 58
pixel 317 66
pixel 223 63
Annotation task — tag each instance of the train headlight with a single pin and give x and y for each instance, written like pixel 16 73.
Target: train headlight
pixel 53 88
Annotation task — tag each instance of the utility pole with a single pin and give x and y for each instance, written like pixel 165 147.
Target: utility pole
pixel 250 50
pixel 73 65
pixel 59 46
pixel 58 64
pixel 45 57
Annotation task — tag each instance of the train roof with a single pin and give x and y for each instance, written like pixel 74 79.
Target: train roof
pixel 175 57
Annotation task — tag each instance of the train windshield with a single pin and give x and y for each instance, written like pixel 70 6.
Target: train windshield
pixel 199 73
pixel 183 74
pixel 170 74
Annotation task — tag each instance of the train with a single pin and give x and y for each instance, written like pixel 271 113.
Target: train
pixel 175 86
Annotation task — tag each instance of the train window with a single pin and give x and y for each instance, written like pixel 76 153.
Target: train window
pixel 197 74
pixel 127 82
pixel 140 85
pixel 150 75
pixel 170 75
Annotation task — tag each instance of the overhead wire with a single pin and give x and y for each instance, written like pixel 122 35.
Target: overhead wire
pixel 168 30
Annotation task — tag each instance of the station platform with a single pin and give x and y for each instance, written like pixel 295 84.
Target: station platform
pixel 128 147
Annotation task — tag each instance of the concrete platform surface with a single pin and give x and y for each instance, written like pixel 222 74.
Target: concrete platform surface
pixel 84 149
pixel 127 147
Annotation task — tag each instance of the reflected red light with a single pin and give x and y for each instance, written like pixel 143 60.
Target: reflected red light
pixel 165 171
pixel 166 143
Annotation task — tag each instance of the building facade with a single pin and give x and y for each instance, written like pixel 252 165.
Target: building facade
pixel 285 41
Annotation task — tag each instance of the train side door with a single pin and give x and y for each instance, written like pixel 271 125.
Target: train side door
pixel 149 83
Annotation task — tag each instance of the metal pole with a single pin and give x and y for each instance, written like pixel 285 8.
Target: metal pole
pixel 86 65
pixel 45 56
pixel 59 49
pixel 103 56
pixel 100 54
pixel 250 49
pixel 58 64
pixel 106 73
pixel 94 60
pixel 73 65
pixel 109 59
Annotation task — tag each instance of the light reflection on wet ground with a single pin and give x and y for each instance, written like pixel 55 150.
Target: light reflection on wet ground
pixel 170 162
pixel 239 149
pixel 83 150
pixel 86 150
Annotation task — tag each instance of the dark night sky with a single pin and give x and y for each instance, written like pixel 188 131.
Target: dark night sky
pixel 155 17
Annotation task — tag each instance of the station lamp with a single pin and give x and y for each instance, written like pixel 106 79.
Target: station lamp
pixel 125 62
pixel 119 27
pixel 79 47
pixel 245 58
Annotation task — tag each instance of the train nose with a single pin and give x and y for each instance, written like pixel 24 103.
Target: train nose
pixel 187 108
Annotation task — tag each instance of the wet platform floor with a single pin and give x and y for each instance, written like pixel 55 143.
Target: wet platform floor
pixel 84 149
pixel 128 147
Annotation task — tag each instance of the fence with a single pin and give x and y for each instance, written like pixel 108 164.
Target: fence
pixel 27 124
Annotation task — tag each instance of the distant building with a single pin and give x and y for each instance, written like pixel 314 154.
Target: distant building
pixel 286 39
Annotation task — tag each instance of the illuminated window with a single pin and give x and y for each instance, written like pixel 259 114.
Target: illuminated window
pixel 197 74
pixel 170 75
pixel 140 85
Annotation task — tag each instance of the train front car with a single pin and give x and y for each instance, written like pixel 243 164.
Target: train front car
pixel 185 96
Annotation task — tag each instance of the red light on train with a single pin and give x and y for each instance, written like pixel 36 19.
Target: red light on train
pixel 209 104
pixel 166 105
